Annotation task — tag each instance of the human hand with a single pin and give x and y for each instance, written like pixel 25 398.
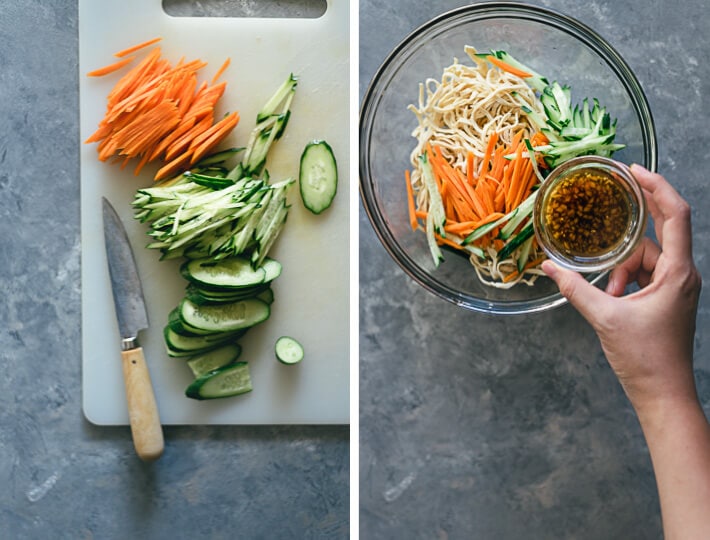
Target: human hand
pixel 647 336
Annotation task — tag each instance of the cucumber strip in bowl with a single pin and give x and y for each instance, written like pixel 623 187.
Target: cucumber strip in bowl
pixel 318 176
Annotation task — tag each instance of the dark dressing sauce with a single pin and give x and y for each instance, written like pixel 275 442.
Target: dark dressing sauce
pixel 587 213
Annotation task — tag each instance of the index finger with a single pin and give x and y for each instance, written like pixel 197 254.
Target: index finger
pixel 669 210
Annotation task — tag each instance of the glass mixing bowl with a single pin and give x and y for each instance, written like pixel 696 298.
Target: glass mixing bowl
pixel 552 44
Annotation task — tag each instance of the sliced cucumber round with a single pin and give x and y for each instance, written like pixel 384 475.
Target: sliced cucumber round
pixel 288 350
pixel 318 176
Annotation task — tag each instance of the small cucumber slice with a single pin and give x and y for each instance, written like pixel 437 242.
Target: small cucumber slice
pixel 224 317
pixel 229 380
pixel 288 350
pixel 318 176
pixel 202 364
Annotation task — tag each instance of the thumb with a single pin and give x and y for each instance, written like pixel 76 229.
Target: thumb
pixel 585 297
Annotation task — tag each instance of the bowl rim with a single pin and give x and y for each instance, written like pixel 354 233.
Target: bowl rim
pixel 481 11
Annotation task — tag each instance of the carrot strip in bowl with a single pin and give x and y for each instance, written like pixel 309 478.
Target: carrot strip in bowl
pixel 480 202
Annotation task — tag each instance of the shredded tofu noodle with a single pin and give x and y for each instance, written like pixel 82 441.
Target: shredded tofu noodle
pixel 459 114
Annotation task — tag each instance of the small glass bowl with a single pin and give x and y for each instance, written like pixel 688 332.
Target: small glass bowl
pixel 568 213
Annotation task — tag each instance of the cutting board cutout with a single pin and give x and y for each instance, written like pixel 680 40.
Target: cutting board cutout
pixel 312 294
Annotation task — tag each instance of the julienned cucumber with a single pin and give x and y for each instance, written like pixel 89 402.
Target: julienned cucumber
pixel 226 381
pixel 288 350
pixel 318 176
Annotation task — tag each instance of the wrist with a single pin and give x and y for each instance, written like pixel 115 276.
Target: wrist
pixel 661 412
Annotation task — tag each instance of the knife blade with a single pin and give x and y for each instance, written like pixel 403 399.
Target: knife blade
pixel 132 317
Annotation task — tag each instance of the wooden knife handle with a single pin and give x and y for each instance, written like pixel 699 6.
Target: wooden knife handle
pixel 142 408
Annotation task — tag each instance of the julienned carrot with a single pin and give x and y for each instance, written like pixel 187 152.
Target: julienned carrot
pixel 507 67
pixel 216 134
pixel 447 241
pixel 105 70
pixel 489 150
pixel 157 112
pixel 137 47
pixel 475 198
pixel 411 205
pixel 470 167
pixel 221 70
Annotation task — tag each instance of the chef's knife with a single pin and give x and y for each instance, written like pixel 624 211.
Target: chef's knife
pixel 132 317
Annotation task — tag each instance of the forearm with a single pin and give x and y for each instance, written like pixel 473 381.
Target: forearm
pixel 678 438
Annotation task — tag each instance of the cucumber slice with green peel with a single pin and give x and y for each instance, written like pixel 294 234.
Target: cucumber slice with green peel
pixel 224 317
pixel 318 176
pixel 288 350
pixel 177 325
pixel 267 295
pixel 194 344
pixel 233 272
pixel 227 381
pixel 204 363
pixel 205 297
pixel 218 157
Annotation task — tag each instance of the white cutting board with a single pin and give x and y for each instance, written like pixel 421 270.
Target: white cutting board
pixel 311 295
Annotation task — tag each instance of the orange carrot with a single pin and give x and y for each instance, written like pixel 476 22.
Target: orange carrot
pixel 447 241
pixel 183 143
pixel 507 67
pixel 221 70
pixel 470 169
pixel 173 167
pixel 157 112
pixel 493 139
pixel 479 192
pixel 105 70
pixel 410 201
pixel 137 47
pixel 217 132
pixel 461 227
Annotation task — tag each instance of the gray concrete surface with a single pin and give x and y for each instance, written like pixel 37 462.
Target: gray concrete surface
pixel 474 427
pixel 61 477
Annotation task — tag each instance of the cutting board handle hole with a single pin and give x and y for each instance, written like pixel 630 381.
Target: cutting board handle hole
pixel 276 9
